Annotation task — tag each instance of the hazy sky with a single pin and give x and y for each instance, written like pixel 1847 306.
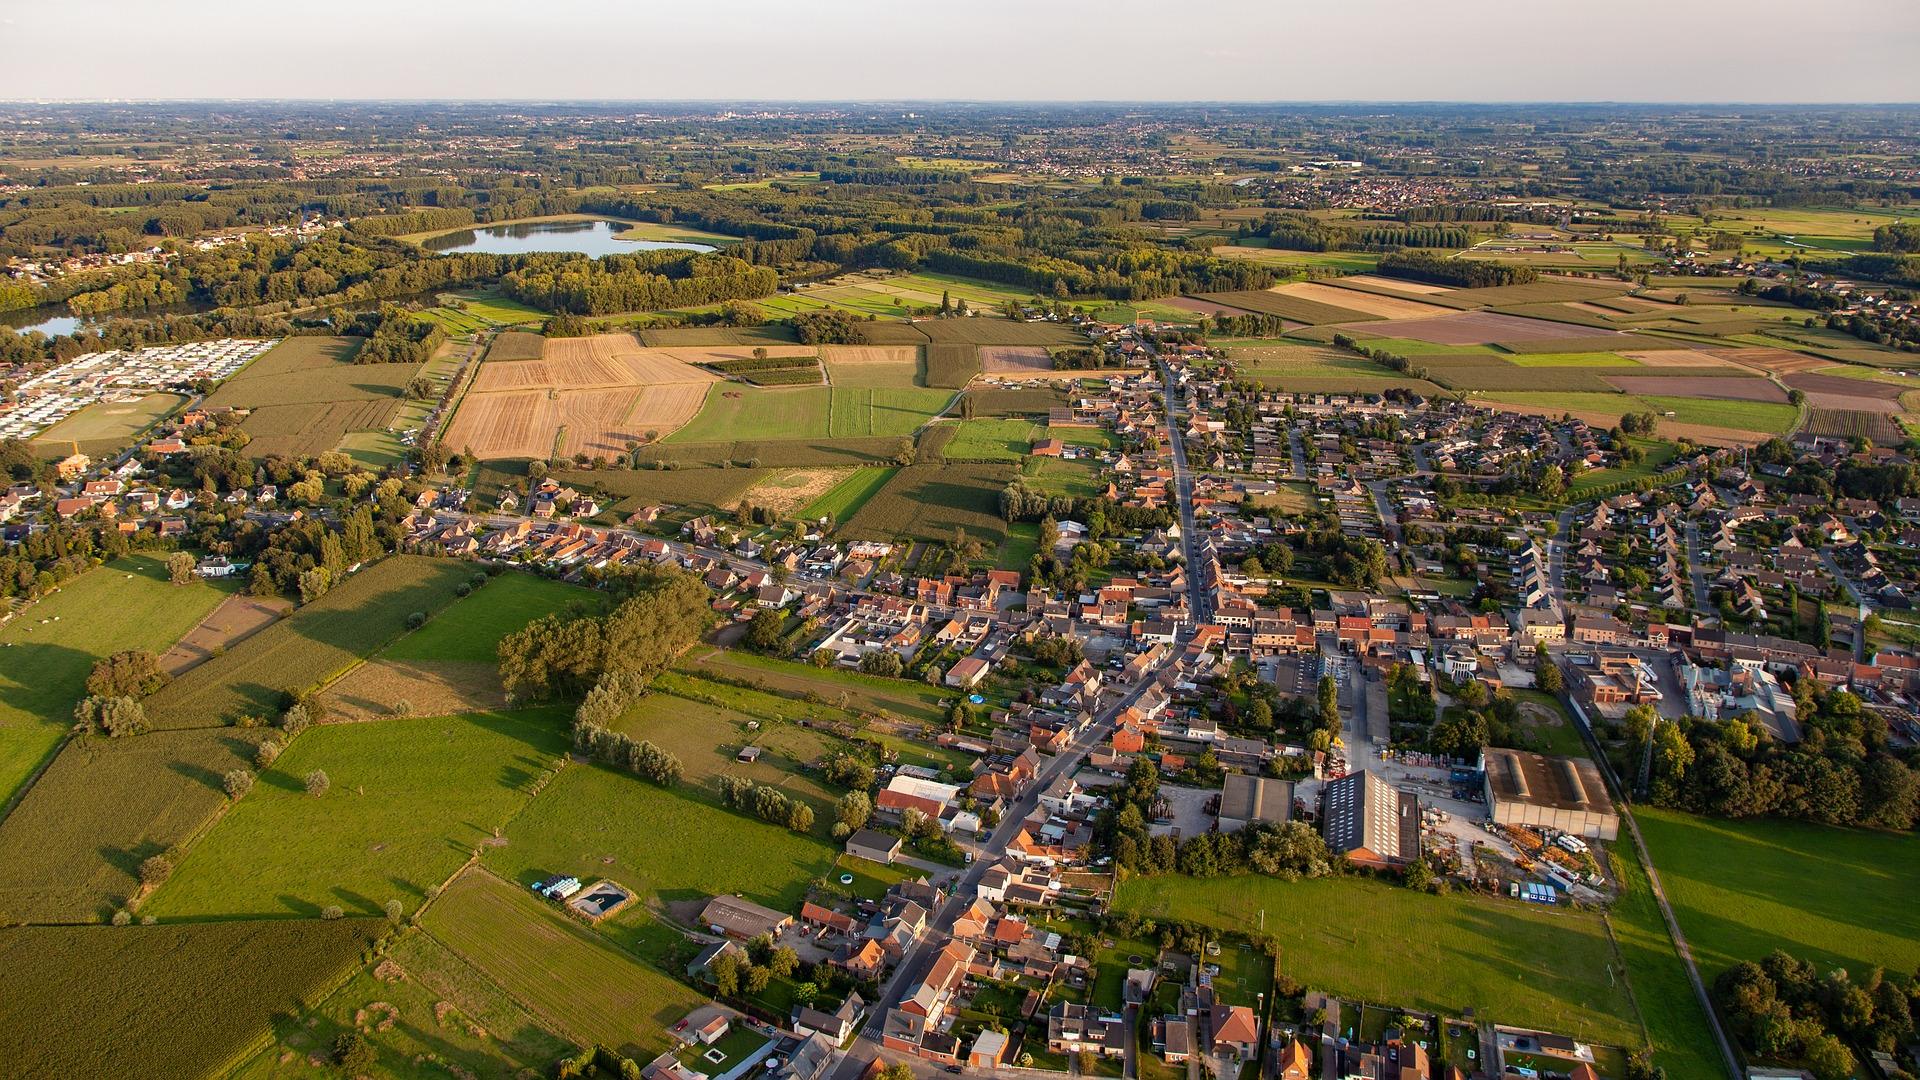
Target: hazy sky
pixel 1263 50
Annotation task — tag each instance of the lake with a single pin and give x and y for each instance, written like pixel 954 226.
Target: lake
pixel 50 321
pixel 595 238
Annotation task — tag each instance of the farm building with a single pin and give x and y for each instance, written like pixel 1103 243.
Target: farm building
pixel 967 673
pixel 874 846
pixel 1548 792
pixel 743 919
pixel 1370 821
pixel 1246 799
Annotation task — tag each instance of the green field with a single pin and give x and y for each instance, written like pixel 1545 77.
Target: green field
pixel 47 651
pixel 1676 1024
pixel 694 488
pixel 104 427
pixel 904 697
pixel 444 1015
pixel 1377 942
pixel 849 495
pixel 1836 897
pixel 410 799
pixel 564 973
pixel 160 1000
pixel 869 411
pixel 470 629
pixel 931 502
pixel 993 440
pixel 1574 360
pixel 734 412
pixel 316 644
pixel 1058 476
pixel 1764 416
pixel 1659 454
pixel 306 394
pixel 71 850
pixel 671 845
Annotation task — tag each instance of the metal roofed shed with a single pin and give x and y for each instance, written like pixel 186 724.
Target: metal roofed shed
pixel 1566 794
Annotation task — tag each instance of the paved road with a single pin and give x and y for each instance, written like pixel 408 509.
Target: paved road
pixel 1696 563
pixel 1557 559
pixel 917 960
pixel 1183 491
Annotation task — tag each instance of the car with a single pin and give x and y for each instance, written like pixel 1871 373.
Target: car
pixel 681 1026
pixel 953 1068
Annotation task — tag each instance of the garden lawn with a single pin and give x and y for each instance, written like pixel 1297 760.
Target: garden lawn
pixel 409 801
pixel 48 650
pixel 1744 888
pixel 1366 939
pixel 593 822
pixel 570 978
pixel 471 629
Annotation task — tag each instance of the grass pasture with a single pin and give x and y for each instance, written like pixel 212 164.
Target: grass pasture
pixel 694 488
pixel 312 646
pixel 71 850
pixel 410 799
pixel 160 1000
pixel 847 497
pixel 867 693
pixel 47 651
pixel 1836 897
pixel 929 502
pixel 104 427
pixel 470 628
pixel 569 977
pixel 306 394
pixel 993 440
pixel 732 411
pixel 1366 939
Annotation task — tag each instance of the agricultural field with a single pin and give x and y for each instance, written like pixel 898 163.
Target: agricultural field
pixel 1692 416
pixel 1027 400
pixel 104 427
pixel 468 630
pixel 931 502
pixel 234 618
pixel 1659 454
pixel 891 366
pixel 593 395
pixel 47 651
pixel 1280 259
pixel 1297 309
pixel 1311 369
pixel 1016 361
pixel 425 1011
pixel 731 411
pixel 951 366
pixel 1058 476
pixel 1377 305
pixel 859 413
pixel 692 488
pixel 1374 941
pixel 1488 327
pixel 866 693
pixel 993 440
pixel 161 1000
pixel 409 800
pixel 544 960
pixel 71 850
pixel 592 821
pixel 516 345
pixel 1836 897
pixel 317 643
pixel 846 498
pixel 306 394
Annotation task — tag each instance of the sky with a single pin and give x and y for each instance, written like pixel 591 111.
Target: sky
pixel 976 50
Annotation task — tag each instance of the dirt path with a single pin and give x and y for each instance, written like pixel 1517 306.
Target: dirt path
pixel 236 618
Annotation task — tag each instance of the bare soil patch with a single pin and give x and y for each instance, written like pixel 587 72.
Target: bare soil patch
pixel 1015 360
pixel 428 687
pixel 1207 307
pixel 237 618
pixel 1420 287
pixel 1479 328
pixel 1737 388
pixel 1766 358
pixel 1841 386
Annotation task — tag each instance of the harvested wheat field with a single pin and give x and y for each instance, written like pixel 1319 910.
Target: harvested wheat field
pixel 424 687
pixel 1387 307
pixel 590 395
pixel 1016 361
pixel 870 354
pixel 1397 284
pixel 1766 358
pixel 236 618
pixel 873 365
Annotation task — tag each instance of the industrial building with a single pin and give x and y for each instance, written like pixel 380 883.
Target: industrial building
pixel 1561 793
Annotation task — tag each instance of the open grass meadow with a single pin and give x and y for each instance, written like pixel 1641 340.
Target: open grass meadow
pixel 711 488
pixel 676 845
pixel 1022 401
pixel 846 498
pixel 931 502
pixel 71 850
pixel 470 629
pixel 568 976
pixel 161 1000
pixel 104 427
pixel 410 800
pixel 1676 1023
pixel 47 651
pixel 444 1015
pixel 868 693
pixel 1659 454
pixel 306 394
pixel 316 644
pixel 873 411
pixel 1382 943
pixel 993 440
pixel 1836 897
pixel 733 411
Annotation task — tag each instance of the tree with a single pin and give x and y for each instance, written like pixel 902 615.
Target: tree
pixel 155 869
pixel 113 717
pixel 130 673
pixel 1829 1058
pixel 854 809
pixel 784 961
pixel 354 1054
pixel 725 973
pixel 1546 674
pixel 763 632
pixel 1329 698
pixel 317 782
pixel 180 568
pixel 757 978
pixel 237 782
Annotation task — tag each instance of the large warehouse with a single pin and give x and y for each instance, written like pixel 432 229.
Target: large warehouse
pixel 1549 792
